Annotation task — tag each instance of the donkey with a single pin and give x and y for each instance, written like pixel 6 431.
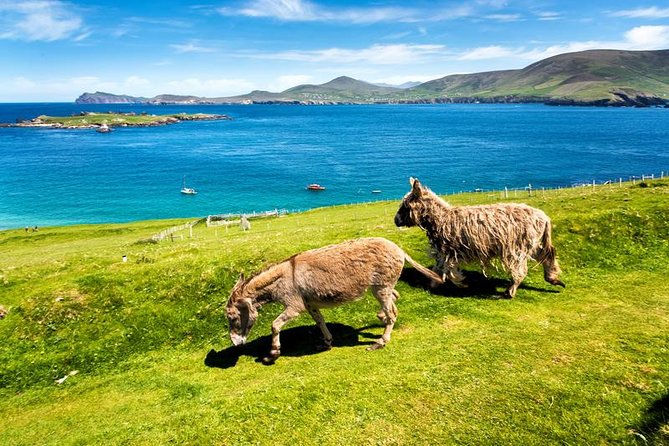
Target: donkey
pixel 322 278
pixel 465 234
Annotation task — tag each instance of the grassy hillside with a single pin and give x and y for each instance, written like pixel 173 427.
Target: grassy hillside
pixel 144 343
pixel 596 77
pixel 586 76
pixel 344 89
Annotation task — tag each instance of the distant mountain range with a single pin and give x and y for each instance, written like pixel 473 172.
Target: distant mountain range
pixel 594 77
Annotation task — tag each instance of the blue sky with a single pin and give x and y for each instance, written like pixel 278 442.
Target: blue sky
pixel 56 50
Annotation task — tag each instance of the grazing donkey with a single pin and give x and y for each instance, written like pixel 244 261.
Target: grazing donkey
pixel 322 278
pixel 464 234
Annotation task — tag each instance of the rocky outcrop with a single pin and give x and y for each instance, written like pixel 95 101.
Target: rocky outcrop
pixel 108 98
pixel 618 98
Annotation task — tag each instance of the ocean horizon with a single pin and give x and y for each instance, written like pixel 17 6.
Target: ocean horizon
pixel 264 158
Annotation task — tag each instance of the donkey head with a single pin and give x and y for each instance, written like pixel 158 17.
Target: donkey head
pixel 405 214
pixel 241 313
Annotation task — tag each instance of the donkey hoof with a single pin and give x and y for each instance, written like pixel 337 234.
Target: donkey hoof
pixel 375 346
pixel 269 360
pixel 273 356
pixel 323 347
pixel 560 283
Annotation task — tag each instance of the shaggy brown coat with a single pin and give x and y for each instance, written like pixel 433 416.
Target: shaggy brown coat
pixel 459 235
pixel 321 278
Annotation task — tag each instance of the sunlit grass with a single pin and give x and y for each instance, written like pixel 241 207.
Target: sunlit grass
pixel 148 337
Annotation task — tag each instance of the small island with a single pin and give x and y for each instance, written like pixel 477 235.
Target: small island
pixel 109 120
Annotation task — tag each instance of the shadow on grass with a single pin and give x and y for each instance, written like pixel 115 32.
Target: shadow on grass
pixel 295 341
pixel 655 418
pixel 478 285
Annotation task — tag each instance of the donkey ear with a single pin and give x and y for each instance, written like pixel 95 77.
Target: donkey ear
pixel 239 284
pixel 415 186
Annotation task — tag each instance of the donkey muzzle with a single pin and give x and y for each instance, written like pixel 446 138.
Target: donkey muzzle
pixel 237 340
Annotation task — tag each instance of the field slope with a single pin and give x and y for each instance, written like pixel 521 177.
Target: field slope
pixel 100 351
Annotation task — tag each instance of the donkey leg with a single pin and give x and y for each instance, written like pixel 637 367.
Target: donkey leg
pixel 552 271
pixel 285 317
pixel 381 314
pixel 455 275
pixel 320 321
pixel 518 273
pixel 386 297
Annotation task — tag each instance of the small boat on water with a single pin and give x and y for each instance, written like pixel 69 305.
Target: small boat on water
pixel 315 186
pixel 104 128
pixel 376 191
pixel 187 190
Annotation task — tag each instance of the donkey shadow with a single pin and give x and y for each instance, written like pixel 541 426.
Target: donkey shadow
pixel 478 285
pixel 295 341
pixel 655 418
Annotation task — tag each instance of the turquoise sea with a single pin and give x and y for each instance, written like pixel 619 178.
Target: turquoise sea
pixel 265 156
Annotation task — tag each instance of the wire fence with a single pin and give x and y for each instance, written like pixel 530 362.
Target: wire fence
pixel 241 219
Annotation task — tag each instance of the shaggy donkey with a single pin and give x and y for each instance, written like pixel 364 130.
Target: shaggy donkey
pixel 322 278
pixel 463 234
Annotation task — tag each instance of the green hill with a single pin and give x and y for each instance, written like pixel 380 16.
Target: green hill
pixel 141 352
pixel 595 77
pixel 607 76
pixel 342 89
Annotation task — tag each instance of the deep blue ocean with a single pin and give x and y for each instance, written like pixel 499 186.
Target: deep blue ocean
pixel 266 155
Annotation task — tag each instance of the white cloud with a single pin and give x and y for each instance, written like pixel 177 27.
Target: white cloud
pixel 23 83
pixel 639 38
pixel 208 87
pixel 67 89
pixel 135 81
pixel 191 47
pixel 548 15
pixel 40 20
pixel 306 11
pixel 488 52
pixel 648 37
pixel 288 81
pixel 504 17
pixel 493 3
pixel 643 13
pixel 398 54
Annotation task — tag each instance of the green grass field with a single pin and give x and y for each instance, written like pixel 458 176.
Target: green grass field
pixel 145 350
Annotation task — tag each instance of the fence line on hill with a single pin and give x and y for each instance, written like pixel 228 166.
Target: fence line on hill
pixel 531 190
pixel 230 219
pixel 169 232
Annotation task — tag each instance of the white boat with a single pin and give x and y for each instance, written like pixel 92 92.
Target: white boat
pixel 187 190
pixel 104 128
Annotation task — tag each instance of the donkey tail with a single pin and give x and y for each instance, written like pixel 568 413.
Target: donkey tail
pixel 547 258
pixel 425 271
